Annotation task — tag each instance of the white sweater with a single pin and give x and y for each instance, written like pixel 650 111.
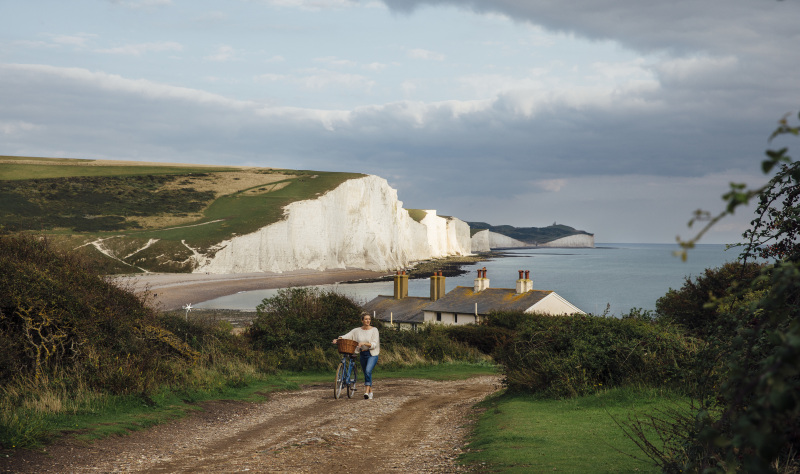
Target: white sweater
pixel 362 336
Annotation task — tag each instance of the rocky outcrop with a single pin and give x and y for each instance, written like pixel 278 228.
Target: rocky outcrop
pixel 360 224
pixel 573 241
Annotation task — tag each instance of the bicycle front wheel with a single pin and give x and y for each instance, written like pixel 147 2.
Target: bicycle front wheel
pixel 351 386
pixel 340 381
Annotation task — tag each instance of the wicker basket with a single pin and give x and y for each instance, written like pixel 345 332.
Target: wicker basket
pixel 346 346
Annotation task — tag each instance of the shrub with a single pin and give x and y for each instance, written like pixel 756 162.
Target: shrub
pixel 56 313
pixel 431 344
pixel 302 318
pixel 689 306
pixel 565 356
pixel 483 337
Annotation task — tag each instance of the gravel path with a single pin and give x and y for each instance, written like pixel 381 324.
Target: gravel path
pixel 410 426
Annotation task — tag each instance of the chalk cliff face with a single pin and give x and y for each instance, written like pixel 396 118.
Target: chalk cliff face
pixel 485 240
pixel 360 224
pixel 575 241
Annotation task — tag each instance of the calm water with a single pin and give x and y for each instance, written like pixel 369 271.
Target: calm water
pixel 623 276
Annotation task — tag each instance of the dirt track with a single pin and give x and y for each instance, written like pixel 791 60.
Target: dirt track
pixel 410 426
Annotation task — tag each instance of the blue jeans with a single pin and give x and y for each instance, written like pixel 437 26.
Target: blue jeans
pixel 368 362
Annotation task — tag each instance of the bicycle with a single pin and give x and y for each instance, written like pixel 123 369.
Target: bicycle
pixel 346 373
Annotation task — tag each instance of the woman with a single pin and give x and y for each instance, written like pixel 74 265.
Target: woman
pixel 368 348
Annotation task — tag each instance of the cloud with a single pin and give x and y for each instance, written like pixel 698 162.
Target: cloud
pixel 425 55
pixel 678 26
pixel 33 44
pixel 222 54
pixel 375 66
pixel 271 77
pixel 334 61
pixel 314 5
pixel 211 17
pixel 16 127
pixel 322 78
pixel 139 4
pixel 552 185
pixel 78 40
pixel 696 68
pixel 99 81
pixel 143 48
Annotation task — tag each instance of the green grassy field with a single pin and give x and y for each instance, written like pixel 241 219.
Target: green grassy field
pixel 519 433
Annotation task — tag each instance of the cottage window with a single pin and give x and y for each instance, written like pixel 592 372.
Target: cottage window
pixel 455 318
pixel 438 316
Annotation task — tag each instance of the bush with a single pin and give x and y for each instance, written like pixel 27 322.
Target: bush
pixel 58 314
pixel 431 344
pixel 689 306
pixel 300 319
pixel 565 356
pixel 483 337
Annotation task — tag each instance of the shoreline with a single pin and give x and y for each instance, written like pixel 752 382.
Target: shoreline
pixel 171 291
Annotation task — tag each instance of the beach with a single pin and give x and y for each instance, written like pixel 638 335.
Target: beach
pixel 171 291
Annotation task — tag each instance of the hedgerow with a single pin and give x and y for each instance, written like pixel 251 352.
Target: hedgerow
pixel 565 356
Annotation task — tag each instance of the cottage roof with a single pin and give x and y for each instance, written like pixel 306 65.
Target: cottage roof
pixel 463 299
pixel 406 310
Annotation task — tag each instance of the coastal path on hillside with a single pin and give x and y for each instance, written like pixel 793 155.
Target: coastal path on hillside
pixel 410 426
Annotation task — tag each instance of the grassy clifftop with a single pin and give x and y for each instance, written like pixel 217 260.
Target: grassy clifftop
pixel 148 215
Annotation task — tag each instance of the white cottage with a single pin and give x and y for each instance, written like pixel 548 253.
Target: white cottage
pixel 465 305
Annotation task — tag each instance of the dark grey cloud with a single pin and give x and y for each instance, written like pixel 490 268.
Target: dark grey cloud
pixel 681 26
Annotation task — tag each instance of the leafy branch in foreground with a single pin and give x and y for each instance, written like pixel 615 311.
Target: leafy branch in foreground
pixel 740 195
pixel 746 416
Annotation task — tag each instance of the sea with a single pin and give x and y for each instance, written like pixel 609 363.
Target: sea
pixel 610 278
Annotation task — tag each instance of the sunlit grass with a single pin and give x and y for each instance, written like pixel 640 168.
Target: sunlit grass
pixel 520 433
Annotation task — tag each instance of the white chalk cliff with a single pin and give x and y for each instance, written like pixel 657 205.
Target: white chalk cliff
pixel 485 240
pixel 574 241
pixel 360 224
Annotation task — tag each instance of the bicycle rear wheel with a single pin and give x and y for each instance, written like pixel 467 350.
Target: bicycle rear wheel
pixel 340 381
pixel 351 386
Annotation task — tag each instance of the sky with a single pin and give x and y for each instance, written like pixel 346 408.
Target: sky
pixel 617 117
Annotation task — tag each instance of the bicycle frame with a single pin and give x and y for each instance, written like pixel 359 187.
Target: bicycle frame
pixel 346 375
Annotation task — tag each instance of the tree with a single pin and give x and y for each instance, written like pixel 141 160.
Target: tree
pixel 774 233
pixel 749 420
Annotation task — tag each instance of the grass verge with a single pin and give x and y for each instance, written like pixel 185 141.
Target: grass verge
pixel 520 433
